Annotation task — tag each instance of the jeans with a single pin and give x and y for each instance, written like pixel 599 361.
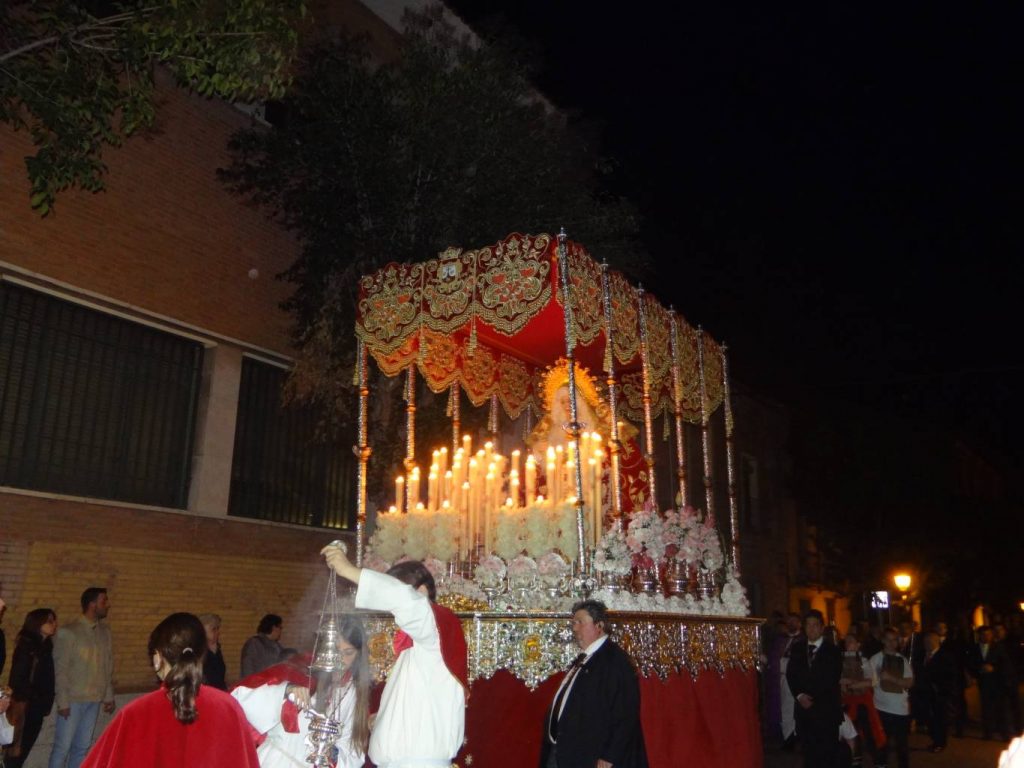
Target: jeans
pixel 74 734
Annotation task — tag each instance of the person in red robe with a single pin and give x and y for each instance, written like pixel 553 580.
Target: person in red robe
pixel 183 722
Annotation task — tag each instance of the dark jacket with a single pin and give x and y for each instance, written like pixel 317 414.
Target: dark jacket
pixel 601 718
pixel 260 652
pixel 938 673
pixel 214 669
pixel 32 676
pixel 820 680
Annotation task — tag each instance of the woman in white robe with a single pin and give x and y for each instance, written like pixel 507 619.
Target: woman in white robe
pixel 278 709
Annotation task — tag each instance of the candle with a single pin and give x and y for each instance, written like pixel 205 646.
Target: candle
pixel 432 488
pixel 442 463
pixel 515 462
pixel 595 500
pixel 467 524
pixel 531 480
pixel 570 473
pixel 414 487
pixel 392 509
pixel 400 493
pixel 513 489
pixel 446 487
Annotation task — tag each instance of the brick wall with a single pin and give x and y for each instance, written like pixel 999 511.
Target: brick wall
pixel 154 563
pixel 166 235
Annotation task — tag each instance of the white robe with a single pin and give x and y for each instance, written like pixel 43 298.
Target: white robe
pixel 281 749
pixel 422 713
pixel 6 730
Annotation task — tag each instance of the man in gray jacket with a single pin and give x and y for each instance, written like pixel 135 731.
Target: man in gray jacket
pixel 83 660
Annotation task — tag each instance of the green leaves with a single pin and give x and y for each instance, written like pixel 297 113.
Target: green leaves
pixel 78 82
pixel 445 144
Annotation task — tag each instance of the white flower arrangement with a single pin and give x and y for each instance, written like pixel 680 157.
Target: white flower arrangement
pixel 645 537
pixel 734 595
pixel 553 568
pixel 437 569
pixel 613 555
pixel 490 572
pixel 522 571
pixel 535 530
pixel 375 562
pixel 416 535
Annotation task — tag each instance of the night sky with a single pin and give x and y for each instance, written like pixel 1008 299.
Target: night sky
pixel 827 189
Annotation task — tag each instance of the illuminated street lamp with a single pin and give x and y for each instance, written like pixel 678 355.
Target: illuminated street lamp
pixel 902 581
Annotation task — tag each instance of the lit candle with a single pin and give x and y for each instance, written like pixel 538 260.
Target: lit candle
pixel 513 489
pixel 432 488
pixel 595 500
pixel 570 473
pixel 515 463
pixel 392 510
pixel 446 487
pixel 400 493
pixel 414 487
pixel 531 480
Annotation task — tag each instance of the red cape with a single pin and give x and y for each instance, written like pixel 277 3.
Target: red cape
pixel 146 733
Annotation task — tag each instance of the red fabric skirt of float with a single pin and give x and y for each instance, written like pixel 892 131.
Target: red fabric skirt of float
pixel 867 699
pixel 711 721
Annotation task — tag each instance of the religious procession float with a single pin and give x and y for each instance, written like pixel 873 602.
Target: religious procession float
pixel 515 530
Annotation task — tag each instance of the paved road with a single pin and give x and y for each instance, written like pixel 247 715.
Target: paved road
pixel 968 752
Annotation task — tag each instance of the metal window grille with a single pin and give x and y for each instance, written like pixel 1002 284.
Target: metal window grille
pixel 280 471
pixel 92 404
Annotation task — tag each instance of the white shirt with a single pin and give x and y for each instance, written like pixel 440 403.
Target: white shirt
pixel 422 714
pixel 897 703
pixel 281 749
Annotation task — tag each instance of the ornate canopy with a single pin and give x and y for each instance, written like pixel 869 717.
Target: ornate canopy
pixel 492 320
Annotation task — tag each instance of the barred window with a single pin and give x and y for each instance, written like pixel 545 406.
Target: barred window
pixel 280 471
pixel 92 404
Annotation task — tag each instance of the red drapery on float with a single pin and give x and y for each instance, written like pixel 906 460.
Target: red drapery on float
pixel 711 722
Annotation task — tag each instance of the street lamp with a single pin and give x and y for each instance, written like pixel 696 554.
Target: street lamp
pixel 902 581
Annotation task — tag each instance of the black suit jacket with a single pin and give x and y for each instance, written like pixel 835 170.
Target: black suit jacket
pixel 820 680
pixel 938 674
pixel 601 718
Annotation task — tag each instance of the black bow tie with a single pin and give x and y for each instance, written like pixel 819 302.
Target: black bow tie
pixel 578 661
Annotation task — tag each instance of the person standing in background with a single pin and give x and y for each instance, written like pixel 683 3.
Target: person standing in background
pixel 32 681
pixel 83 658
pixel 214 668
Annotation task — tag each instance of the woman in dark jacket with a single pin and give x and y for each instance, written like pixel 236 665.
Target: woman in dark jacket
pixel 32 680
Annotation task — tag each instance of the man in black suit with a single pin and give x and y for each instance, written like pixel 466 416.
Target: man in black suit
pixel 987 664
pixel 815 667
pixel 594 719
pixel 936 684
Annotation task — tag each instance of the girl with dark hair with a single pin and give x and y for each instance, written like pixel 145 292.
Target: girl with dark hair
pixel 32 682
pixel 183 722
pixel 273 700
